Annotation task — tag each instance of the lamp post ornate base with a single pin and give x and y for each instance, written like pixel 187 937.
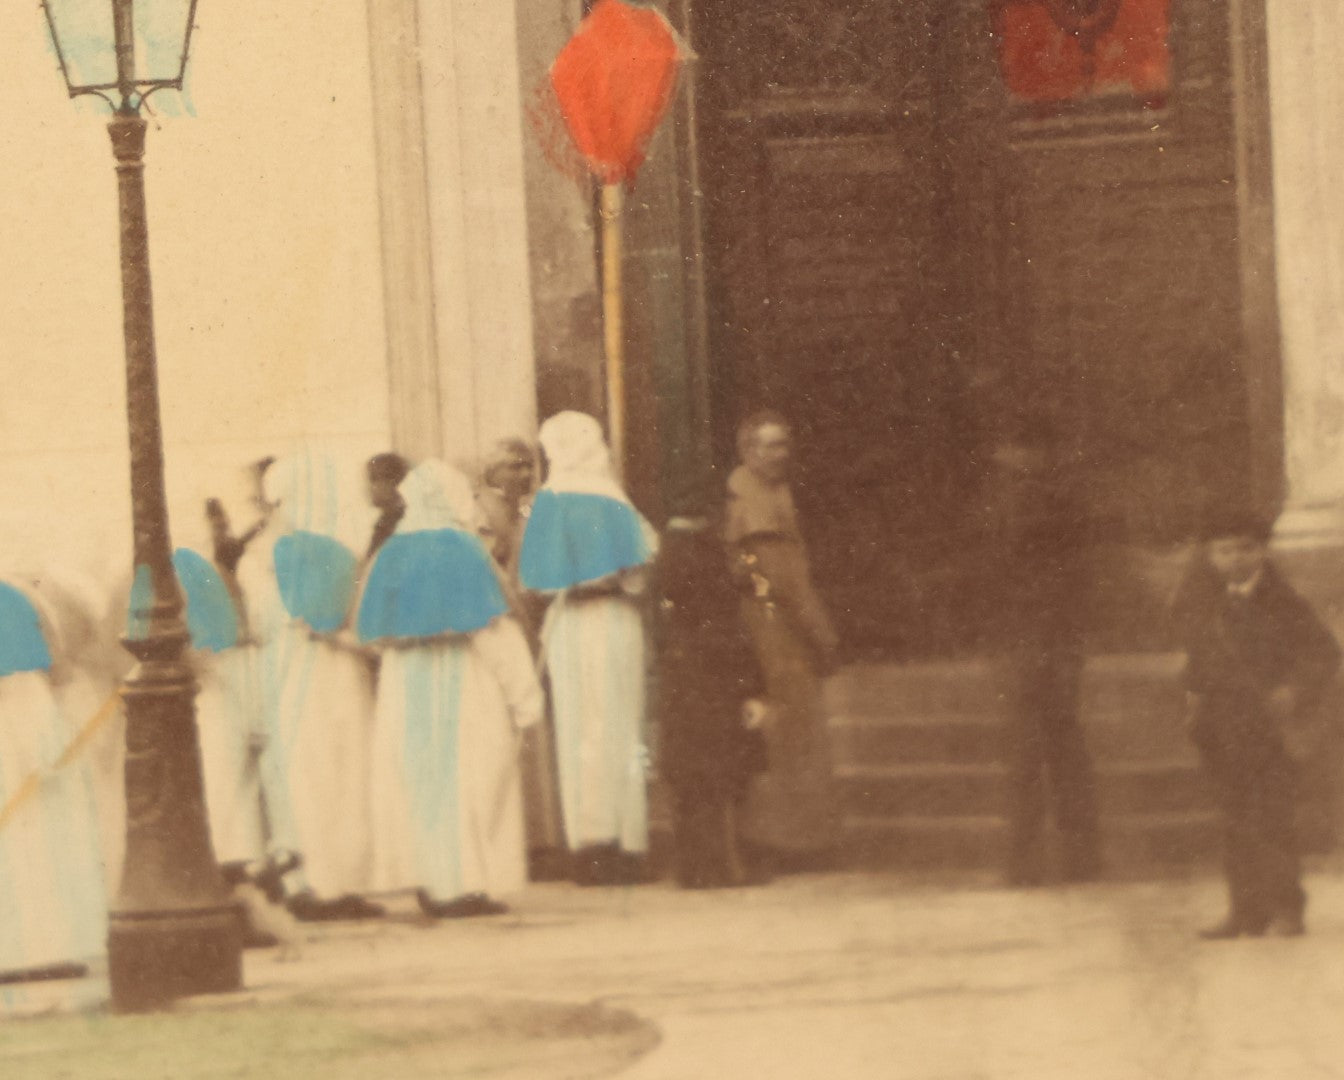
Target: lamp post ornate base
pixel 173 929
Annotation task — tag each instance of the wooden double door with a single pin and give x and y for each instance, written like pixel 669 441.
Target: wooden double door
pixel 904 260
pixel 843 242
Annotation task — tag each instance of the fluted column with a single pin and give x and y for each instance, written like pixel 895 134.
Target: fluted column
pixel 448 109
pixel 1307 121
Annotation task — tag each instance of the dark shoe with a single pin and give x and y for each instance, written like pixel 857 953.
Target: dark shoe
pixel 1290 925
pixel 306 907
pixel 1233 927
pixel 628 868
pixel 548 864
pixel 50 973
pixel 356 907
pixel 258 939
pixel 1226 930
pixel 594 865
pixel 470 906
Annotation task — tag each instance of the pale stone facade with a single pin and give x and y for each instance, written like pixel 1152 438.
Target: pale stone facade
pixel 349 240
pixel 357 238
pixel 264 231
pixel 1307 118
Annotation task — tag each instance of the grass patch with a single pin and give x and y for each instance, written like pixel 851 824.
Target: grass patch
pixel 328 1039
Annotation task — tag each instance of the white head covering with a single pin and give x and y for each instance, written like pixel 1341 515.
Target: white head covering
pixel 578 457
pixel 305 489
pixel 580 463
pixel 437 497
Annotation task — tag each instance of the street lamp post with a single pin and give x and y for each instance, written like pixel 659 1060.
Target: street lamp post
pixel 173 929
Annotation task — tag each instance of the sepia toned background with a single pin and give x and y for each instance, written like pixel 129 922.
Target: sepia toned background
pixel 861 216
pixel 893 221
pixel 918 231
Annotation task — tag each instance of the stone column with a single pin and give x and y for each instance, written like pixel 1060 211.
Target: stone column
pixel 403 199
pixel 1306 84
pixel 448 109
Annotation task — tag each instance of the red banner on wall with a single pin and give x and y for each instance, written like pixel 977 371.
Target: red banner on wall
pixel 1046 58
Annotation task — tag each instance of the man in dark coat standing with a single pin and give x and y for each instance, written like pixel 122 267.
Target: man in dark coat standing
pixel 1042 588
pixel 1258 662
pixel 712 693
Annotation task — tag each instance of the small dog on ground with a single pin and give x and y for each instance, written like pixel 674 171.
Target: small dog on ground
pixel 257 887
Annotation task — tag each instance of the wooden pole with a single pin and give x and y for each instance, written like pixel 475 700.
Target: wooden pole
pixel 613 201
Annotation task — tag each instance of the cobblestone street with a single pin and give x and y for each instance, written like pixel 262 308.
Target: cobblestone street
pixel 813 977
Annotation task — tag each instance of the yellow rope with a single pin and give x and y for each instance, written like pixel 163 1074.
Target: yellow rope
pixel 33 781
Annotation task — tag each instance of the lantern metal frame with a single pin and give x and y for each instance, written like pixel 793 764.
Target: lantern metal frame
pixel 134 92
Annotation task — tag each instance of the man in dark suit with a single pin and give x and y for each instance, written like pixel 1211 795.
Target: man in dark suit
pixel 1258 661
pixel 1041 592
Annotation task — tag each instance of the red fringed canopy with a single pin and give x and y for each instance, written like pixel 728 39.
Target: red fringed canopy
pixel 613 82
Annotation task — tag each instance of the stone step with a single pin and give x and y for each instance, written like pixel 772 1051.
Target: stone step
pixel 942 689
pixel 910 740
pixel 1121 684
pixel 920 779
pixel 1132 844
pixel 918 842
pixel 981 789
pixel 969 740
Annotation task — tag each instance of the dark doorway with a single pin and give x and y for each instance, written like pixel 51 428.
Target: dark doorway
pixel 830 168
pixel 902 253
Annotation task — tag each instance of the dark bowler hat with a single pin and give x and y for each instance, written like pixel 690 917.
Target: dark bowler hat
pixel 1225 522
pixel 391 467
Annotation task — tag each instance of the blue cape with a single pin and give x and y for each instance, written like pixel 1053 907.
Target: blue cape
pixel 427 583
pixel 316 577
pixel 22 645
pixel 212 619
pixel 572 539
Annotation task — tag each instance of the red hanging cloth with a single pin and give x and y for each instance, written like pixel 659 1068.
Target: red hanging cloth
pixel 613 82
pixel 1043 54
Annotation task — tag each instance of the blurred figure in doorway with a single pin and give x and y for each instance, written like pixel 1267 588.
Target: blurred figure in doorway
pixel 507 485
pixel 1041 548
pixel 791 818
pixel 713 705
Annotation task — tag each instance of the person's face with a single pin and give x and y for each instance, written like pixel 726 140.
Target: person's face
pixel 1236 558
pixel 515 476
pixel 383 492
pixel 768 453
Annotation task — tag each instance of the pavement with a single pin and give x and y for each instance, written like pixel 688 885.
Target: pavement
pixel 838 975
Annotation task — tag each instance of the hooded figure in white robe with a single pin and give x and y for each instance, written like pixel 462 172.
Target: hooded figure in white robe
pixel 586 545
pixel 456 688
pixel 88 664
pixel 316 691
pixel 228 704
pixel 53 900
